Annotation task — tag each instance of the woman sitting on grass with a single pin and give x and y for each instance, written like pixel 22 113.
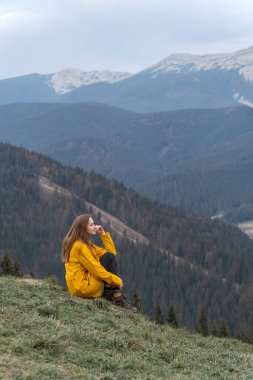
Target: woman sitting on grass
pixel 91 271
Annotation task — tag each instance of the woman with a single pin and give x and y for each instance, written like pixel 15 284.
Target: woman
pixel 89 267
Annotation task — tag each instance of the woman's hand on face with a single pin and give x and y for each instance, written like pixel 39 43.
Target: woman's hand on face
pixel 100 230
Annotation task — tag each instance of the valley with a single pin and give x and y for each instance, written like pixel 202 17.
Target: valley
pixel 198 160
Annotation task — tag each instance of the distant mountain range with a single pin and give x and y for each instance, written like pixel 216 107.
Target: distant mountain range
pixel 180 81
pixel 199 160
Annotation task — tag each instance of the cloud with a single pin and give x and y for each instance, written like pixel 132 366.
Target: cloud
pixel 14 20
pixel 46 36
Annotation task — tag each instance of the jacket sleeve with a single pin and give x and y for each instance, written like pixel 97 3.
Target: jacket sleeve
pixel 108 245
pixel 94 267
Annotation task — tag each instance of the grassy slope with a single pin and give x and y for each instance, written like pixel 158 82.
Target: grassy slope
pixel 46 333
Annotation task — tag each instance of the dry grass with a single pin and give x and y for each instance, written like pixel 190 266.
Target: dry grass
pixel 48 334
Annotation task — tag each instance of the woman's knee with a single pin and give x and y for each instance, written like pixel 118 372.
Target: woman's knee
pixel 111 255
pixel 107 258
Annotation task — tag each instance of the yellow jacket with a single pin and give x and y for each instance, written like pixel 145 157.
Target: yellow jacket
pixel 84 273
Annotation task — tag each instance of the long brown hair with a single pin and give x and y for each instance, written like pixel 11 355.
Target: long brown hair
pixel 77 231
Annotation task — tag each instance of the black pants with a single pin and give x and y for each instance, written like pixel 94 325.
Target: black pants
pixel 109 262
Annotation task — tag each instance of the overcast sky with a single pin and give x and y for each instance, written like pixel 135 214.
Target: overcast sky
pixel 45 36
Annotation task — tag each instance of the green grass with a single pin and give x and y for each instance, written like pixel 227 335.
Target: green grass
pixel 48 334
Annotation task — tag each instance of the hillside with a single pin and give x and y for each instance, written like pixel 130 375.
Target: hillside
pixel 48 334
pixel 199 160
pixel 226 189
pixel 166 255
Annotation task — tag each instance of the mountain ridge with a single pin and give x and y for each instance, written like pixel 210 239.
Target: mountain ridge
pixel 176 82
pixel 241 60
pixel 68 79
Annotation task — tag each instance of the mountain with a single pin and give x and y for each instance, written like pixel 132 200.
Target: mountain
pixel 166 255
pixel 50 335
pixel 241 63
pixel 180 81
pixel 199 160
pixel 50 87
pixel 67 80
pixel 26 88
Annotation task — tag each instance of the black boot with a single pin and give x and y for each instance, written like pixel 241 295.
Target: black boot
pixel 120 300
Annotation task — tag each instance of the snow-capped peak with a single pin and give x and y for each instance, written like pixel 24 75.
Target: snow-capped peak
pixel 241 60
pixel 69 79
